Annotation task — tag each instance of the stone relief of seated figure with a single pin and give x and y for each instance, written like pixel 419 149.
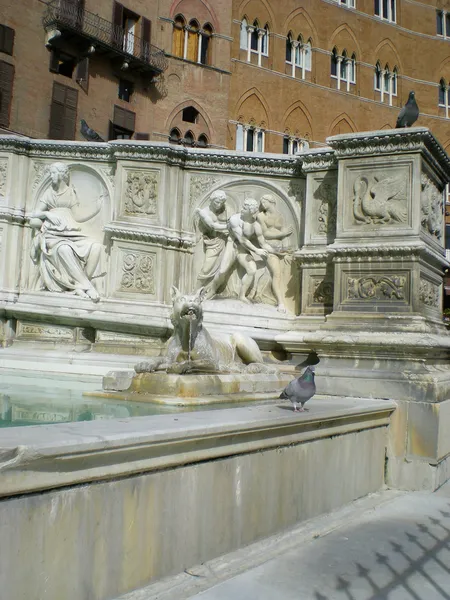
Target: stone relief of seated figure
pixel 67 259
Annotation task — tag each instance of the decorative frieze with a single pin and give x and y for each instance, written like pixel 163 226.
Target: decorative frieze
pixel 376 287
pixel 432 207
pixel 123 231
pixel 141 192
pixel 138 273
pixel 26 330
pixel 429 293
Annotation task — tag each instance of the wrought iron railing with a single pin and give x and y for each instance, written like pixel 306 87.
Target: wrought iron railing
pixel 62 14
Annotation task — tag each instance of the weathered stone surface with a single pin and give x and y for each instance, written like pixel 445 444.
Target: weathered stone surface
pixel 118 380
pixel 163 476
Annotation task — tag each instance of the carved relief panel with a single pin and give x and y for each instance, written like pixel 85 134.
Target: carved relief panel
pixel 367 290
pixel 431 208
pixel 321 207
pixel 248 232
pixel 376 198
pixel 140 192
pixel 318 290
pixel 135 270
pixel 67 216
pixel 430 294
pixel 3 175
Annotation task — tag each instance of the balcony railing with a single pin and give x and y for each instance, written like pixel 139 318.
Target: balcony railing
pixel 68 17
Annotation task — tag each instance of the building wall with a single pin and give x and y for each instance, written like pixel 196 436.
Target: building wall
pixel 230 89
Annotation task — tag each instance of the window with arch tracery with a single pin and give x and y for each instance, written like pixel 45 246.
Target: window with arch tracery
pixel 192 42
pixel 298 55
pixel 249 138
pixel 444 96
pixel 174 136
pixel 292 144
pixel 343 69
pixel 254 39
pixel 385 82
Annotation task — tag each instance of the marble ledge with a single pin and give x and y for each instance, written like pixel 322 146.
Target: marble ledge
pixel 74 453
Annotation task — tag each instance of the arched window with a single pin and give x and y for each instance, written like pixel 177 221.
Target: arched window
pixel 190 114
pixel 334 63
pixel 307 58
pixel 174 136
pixel 192 41
pixel 178 36
pixel 299 51
pixel 385 82
pixel 243 40
pixel 189 138
pixel 265 41
pixel 202 141
pixel 254 36
pixel 444 96
pixel 289 48
pixel 205 44
pixel 344 66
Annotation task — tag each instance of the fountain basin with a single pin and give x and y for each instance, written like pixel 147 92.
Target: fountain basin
pixel 163 388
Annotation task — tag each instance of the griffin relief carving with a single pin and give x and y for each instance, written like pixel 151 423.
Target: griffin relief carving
pixel 380 201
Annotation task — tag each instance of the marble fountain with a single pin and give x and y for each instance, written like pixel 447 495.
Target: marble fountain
pixel 142 284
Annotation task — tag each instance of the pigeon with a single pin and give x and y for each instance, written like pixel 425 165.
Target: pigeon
pixel 89 134
pixel 409 113
pixel 300 390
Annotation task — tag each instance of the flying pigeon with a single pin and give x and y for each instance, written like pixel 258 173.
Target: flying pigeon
pixel 409 113
pixel 300 390
pixel 89 134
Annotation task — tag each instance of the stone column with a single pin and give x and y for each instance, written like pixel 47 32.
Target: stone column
pixel 385 337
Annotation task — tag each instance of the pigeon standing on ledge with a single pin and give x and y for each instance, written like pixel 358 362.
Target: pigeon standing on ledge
pixel 89 134
pixel 300 390
pixel 409 113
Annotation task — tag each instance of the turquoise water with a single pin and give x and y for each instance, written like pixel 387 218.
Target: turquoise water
pixel 43 400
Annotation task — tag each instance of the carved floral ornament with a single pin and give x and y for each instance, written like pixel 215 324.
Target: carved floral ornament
pixel 138 273
pixel 429 293
pixel 374 287
pixel 201 185
pixel 322 291
pixel 326 193
pixel 379 200
pixel 141 192
pixel 3 172
pixel 432 207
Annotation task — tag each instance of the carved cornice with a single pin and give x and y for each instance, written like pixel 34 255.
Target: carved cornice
pixel 343 253
pixel 188 158
pixel 319 160
pixel 310 257
pixel 393 141
pixel 56 149
pixel 123 231
pixel 12 215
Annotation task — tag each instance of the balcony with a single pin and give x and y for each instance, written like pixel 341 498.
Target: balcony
pixel 84 28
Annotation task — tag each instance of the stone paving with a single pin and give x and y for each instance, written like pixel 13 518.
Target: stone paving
pixel 388 546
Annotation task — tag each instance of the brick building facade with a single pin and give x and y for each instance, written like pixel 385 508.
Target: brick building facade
pixel 243 74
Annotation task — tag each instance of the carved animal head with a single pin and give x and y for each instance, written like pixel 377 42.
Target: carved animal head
pixel 187 308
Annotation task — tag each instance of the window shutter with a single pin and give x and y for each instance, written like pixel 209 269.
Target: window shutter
pixel 82 73
pixel 6 86
pixel 70 114
pixel 141 136
pixel 124 118
pixel 146 32
pixel 6 39
pixel 63 112
pixel 117 31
